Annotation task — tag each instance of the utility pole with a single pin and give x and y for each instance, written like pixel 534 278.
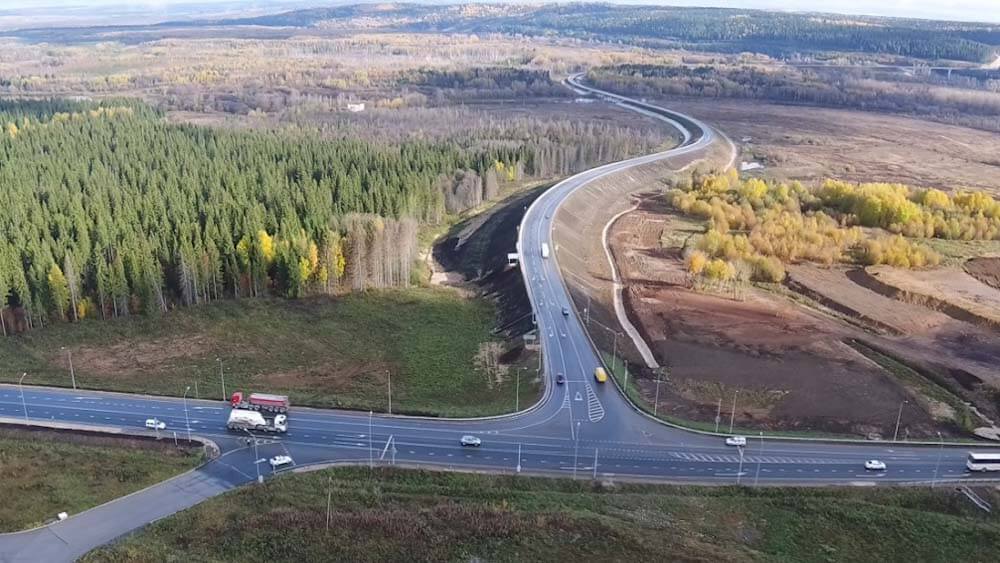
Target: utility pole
pixel 371 457
pixel 732 417
pixel 388 375
pixel 614 353
pixel 20 384
pixel 595 464
pixel 518 469
pixel 625 387
pixel 576 448
pixel 222 376
pixel 72 374
pixel 938 463
pixel 197 395
pixel 187 421
pixel 899 416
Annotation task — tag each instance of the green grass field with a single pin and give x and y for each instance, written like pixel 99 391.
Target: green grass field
pixel 332 352
pixel 399 515
pixel 44 474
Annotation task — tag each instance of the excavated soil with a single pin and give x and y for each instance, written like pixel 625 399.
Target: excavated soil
pixel 986 270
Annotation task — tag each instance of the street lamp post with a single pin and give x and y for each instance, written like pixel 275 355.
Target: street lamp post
pixel 576 448
pixel 517 389
pixel 187 421
pixel 938 463
pixel 371 455
pixel 388 375
pixel 72 374
pixel 718 415
pixel 739 472
pixel 759 457
pixel 656 401
pixel 256 455
pixel 732 417
pixel 222 376
pixel 899 416
pixel 20 384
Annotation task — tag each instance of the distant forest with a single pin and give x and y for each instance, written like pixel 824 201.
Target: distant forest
pixel 708 29
pixel 724 30
pixel 109 210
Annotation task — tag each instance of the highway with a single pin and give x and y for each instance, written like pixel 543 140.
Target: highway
pixel 581 429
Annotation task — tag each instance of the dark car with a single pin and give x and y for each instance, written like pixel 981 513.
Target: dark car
pixel 560 379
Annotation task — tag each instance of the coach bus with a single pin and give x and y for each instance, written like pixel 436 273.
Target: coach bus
pixel 979 461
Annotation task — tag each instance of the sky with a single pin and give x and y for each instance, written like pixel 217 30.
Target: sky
pixel 962 10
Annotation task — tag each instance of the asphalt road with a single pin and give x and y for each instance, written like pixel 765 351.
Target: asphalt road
pixel 581 429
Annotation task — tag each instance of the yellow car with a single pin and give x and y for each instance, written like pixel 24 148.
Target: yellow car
pixel 600 375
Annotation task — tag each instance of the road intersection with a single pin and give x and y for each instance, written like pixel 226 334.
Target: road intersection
pixel 580 429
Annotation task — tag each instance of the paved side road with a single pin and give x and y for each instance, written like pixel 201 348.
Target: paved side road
pixel 74 537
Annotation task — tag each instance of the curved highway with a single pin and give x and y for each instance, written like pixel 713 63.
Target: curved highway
pixel 580 429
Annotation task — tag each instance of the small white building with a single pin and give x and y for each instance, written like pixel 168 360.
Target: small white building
pixel 356 108
pixel 747 166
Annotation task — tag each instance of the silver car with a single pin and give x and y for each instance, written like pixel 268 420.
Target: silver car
pixel 471 441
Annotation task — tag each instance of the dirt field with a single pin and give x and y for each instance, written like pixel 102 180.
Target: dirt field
pixel 811 143
pixel 957 293
pixel 986 270
pixel 834 288
pixel 794 370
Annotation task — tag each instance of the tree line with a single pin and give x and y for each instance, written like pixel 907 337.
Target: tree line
pixel 753 227
pixel 109 210
pixel 831 87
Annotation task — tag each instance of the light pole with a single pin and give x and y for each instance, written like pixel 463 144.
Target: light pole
pixel 371 456
pixel 899 416
pixel 760 455
pixel 388 375
pixel 256 455
pixel 656 401
pixel 72 374
pixel 20 384
pixel 739 472
pixel 576 448
pixel 595 464
pixel 518 468
pixel 718 415
pixel 517 389
pixel 187 421
pixel 938 463
pixel 732 417
pixel 625 387
pixel 222 376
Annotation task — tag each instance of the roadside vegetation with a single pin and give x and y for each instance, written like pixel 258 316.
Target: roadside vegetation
pixel 322 351
pixel 45 473
pixel 398 515
pixel 755 227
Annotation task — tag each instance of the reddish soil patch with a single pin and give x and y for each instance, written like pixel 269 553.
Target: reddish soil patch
pixel 986 270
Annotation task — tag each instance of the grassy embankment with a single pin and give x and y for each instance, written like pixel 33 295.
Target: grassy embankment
pixel 44 477
pixel 396 515
pixel 333 352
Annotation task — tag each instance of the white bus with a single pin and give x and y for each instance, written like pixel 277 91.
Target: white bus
pixel 979 461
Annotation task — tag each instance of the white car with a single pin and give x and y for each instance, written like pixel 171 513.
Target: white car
pixel 875 465
pixel 279 460
pixel 155 424
pixel 472 441
pixel 736 441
